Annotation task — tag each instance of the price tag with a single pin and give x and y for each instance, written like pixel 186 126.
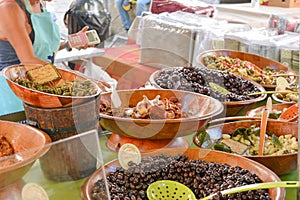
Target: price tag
pixel 129 153
pixel 34 191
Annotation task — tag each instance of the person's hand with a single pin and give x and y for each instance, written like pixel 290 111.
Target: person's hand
pixel 83 30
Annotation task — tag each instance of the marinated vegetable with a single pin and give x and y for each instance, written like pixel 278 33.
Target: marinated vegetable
pixel 249 142
pixel 65 88
pixel 264 76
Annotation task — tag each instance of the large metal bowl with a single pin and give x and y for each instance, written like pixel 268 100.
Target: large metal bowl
pixel 202 107
pixel 29 144
pixel 259 61
pixel 280 164
pixel 265 174
pixel 42 99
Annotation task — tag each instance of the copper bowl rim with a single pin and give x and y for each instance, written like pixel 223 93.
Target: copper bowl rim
pixel 282 101
pixel 154 75
pixel 39 151
pixel 6 70
pixel 115 163
pixel 215 52
pixel 219 110
pixel 196 142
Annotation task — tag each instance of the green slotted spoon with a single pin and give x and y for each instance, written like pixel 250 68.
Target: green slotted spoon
pixel 167 189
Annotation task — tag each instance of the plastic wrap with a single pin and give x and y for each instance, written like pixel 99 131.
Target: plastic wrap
pixel 265 42
pixel 212 37
pixel 165 42
pixel 289 54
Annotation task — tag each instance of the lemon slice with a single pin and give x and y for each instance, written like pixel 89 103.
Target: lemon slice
pixel 129 153
pixel 282 83
pixel 34 191
pixel 217 88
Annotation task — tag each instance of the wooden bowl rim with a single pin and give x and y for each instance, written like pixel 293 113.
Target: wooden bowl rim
pixel 196 141
pixel 281 101
pixel 115 163
pixel 6 70
pixel 154 75
pixel 218 111
pixel 39 151
pixel 215 52
pixel 262 107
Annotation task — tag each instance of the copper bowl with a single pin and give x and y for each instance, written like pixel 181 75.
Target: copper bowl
pixel 281 100
pixel 46 100
pixel 281 164
pixel 230 108
pixel 28 143
pixel 201 107
pixel 265 174
pixel 256 112
pixel 260 61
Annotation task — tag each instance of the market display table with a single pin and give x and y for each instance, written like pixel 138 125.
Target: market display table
pixel 64 56
pixel 255 17
pixel 72 189
pixel 122 63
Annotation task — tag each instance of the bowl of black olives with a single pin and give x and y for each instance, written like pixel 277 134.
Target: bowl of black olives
pixel 233 91
pixel 65 88
pixel 204 171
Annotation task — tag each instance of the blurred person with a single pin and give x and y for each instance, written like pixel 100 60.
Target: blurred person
pixel 122 5
pixel 28 35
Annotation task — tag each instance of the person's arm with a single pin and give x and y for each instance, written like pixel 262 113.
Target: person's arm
pixel 14 28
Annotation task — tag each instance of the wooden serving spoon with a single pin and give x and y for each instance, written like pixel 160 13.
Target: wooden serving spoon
pixel 263 128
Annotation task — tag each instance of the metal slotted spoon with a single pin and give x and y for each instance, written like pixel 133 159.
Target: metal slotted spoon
pixel 173 190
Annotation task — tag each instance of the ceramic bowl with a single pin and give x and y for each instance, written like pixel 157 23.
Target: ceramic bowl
pixel 259 61
pixel 265 174
pixel 28 143
pixel 46 100
pixel 280 164
pixel 201 108
pixel 230 108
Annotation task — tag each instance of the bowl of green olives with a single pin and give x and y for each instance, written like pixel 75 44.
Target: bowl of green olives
pixel 242 138
pixel 70 89
pixel 257 68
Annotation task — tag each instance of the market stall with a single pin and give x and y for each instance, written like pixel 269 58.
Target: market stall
pixel 178 85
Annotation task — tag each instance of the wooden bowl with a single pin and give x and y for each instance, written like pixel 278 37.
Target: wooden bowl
pixel 260 61
pixel 202 107
pixel 257 111
pixel 29 144
pixel 265 174
pixel 230 108
pixel 281 100
pixel 281 164
pixel 46 100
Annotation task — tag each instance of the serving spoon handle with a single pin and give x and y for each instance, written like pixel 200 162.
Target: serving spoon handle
pixel 258 186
